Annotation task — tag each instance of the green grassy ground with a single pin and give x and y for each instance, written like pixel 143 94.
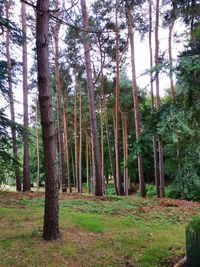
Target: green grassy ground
pixel 124 231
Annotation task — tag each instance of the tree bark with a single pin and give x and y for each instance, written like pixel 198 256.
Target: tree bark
pixel 66 136
pixel 26 170
pixel 87 160
pixel 51 223
pixel 80 144
pixel 135 97
pixel 171 26
pixel 97 162
pixel 37 146
pixel 155 154
pixel 160 147
pixel 59 104
pixel 125 153
pixel 76 142
pixel 11 101
pixel 117 104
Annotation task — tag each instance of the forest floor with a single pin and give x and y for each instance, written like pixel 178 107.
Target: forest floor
pixel 106 231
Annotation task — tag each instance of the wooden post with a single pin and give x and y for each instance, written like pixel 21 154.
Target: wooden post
pixel 193 246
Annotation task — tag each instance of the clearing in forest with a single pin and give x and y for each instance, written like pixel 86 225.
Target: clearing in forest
pixel 105 231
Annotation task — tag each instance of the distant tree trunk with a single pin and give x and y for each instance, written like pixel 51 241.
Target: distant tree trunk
pixel 59 104
pixel 160 147
pixel 76 143
pixel 87 160
pixel 80 144
pixel 26 170
pixel 51 224
pixel 73 167
pixel 97 162
pixel 117 109
pixel 66 136
pixel 102 136
pixel 11 100
pixel 37 146
pixel 171 26
pixel 155 155
pixel 125 153
pixel 135 97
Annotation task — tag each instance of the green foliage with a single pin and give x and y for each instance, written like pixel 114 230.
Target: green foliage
pixel 195 224
pixel 150 190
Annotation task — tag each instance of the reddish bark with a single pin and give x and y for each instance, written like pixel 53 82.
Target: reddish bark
pixel 51 223
pixel 95 142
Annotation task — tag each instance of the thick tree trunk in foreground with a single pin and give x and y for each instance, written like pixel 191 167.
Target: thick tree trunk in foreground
pixel 135 97
pixel 51 224
pixel 117 106
pixel 26 170
pixel 160 147
pixel 155 154
pixel 59 104
pixel 96 160
pixel 11 100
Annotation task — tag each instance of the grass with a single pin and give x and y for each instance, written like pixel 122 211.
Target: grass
pixel 107 231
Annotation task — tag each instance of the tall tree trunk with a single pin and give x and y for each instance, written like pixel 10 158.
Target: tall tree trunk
pixel 11 100
pixel 97 162
pixel 51 223
pixel 66 136
pixel 135 97
pixel 26 170
pixel 59 104
pixel 117 111
pixel 80 144
pixel 76 142
pixel 155 154
pixel 125 153
pixel 171 26
pixel 73 168
pixel 37 145
pixel 87 161
pixel 160 147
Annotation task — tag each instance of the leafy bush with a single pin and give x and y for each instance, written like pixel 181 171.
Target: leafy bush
pixel 150 190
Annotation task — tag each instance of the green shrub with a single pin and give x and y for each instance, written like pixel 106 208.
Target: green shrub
pixel 150 190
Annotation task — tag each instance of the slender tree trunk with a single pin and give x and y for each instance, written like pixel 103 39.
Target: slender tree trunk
pixel 135 97
pixel 76 142
pixel 102 140
pixel 66 136
pixel 51 223
pixel 80 144
pixel 160 147
pixel 11 100
pixel 117 109
pixel 171 26
pixel 155 155
pixel 26 170
pixel 59 104
pixel 95 141
pixel 87 161
pixel 73 168
pixel 125 153
pixel 37 146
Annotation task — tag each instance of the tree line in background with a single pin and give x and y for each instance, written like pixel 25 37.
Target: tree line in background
pixel 100 131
